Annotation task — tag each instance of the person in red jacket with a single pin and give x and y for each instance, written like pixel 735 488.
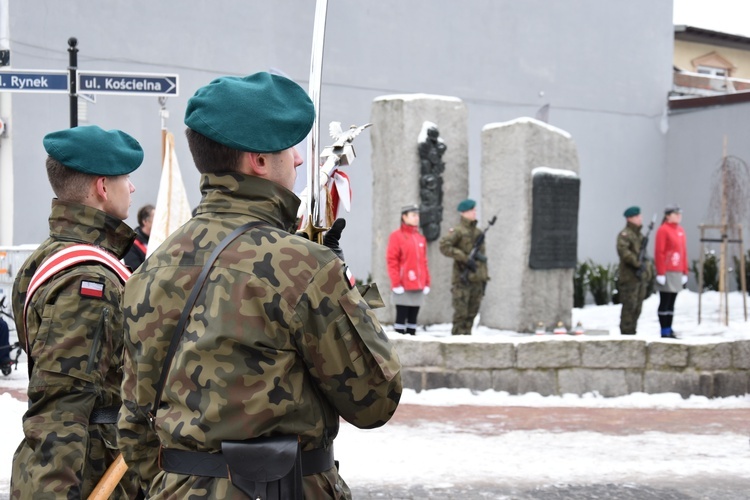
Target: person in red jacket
pixel 408 270
pixel 670 259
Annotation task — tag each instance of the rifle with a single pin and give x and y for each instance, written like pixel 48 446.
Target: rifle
pixel 642 253
pixel 471 262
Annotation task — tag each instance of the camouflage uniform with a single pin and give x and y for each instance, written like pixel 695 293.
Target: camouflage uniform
pixel 631 288
pixel 278 343
pixel 467 297
pixel 76 347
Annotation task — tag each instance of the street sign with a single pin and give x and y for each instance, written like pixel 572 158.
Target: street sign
pixel 33 80
pixel 91 82
pixel 88 97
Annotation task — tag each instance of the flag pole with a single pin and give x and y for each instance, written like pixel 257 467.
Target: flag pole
pixel 169 148
pixel 109 480
pixel 163 115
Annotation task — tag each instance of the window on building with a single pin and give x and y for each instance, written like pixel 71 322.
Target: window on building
pixel 711 71
pixel 713 64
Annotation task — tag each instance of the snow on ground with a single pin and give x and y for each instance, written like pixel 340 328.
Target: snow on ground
pixel 604 322
pixel 440 454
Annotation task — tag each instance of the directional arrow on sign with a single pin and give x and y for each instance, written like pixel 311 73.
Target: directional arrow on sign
pixel 127 83
pixel 33 80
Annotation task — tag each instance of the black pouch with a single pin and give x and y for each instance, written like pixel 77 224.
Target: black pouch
pixel 267 468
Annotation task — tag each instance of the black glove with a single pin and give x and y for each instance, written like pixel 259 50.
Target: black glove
pixel 471 265
pixel 640 271
pixel 332 237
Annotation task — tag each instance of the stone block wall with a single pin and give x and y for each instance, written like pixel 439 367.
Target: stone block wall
pixel 569 366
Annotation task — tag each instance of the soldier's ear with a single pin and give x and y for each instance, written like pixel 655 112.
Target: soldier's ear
pixel 254 164
pixel 100 187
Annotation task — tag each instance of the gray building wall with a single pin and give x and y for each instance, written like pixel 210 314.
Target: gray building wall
pixel 695 151
pixel 603 66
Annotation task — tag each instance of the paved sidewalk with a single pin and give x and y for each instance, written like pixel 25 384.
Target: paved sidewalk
pixel 493 420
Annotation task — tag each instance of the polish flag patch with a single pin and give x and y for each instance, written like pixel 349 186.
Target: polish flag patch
pixel 92 289
pixel 349 277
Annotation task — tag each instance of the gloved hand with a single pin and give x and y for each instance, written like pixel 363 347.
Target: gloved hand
pixel 471 265
pixel 684 278
pixel 332 237
pixel 398 290
pixel 661 279
pixel 641 270
pixel 426 290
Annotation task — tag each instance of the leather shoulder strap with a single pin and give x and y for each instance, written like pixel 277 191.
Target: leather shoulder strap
pixel 182 322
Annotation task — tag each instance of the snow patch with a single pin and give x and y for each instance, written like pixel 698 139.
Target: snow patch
pixel 559 172
pixel 528 119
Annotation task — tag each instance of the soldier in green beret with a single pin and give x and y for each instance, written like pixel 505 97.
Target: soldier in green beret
pixel 457 244
pixel 279 342
pixel 67 300
pixel 633 275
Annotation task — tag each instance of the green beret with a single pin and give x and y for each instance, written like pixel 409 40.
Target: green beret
pixel 92 150
pixel 262 113
pixel 467 204
pixel 632 211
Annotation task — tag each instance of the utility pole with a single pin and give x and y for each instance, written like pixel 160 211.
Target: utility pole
pixel 6 141
pixel 72 72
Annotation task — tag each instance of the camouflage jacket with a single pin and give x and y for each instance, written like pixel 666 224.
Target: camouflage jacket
pixel 278 343
pixel 628 248
pixel 457 245
pixel 76 347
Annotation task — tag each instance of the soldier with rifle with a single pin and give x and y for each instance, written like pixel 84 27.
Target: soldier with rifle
pixel 465 245
pixel 635 270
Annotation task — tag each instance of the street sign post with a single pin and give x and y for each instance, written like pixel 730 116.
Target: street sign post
pixel 99 82
pixel 86 84
pixel 33 80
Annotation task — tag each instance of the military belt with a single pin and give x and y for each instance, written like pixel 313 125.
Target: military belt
pixel 201 463
pixel 104 415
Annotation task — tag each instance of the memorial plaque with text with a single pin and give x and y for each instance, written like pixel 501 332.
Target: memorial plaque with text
pixel 554 225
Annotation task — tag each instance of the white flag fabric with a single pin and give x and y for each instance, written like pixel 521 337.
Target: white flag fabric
pixel 172 208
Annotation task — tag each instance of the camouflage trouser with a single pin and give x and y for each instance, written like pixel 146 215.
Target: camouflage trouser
pixel 631 297
pixel 46 470
pixel 466 301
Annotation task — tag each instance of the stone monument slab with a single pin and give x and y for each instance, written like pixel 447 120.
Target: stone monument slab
pixel 515 155
pixel 398 122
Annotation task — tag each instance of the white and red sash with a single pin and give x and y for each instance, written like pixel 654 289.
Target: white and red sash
pixel 69 257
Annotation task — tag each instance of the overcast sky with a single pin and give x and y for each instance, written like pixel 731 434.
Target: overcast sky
pixel 729 16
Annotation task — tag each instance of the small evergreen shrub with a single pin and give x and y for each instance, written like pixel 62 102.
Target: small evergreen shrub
pixel 710 270
pixel 601 280
pixel 738 270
